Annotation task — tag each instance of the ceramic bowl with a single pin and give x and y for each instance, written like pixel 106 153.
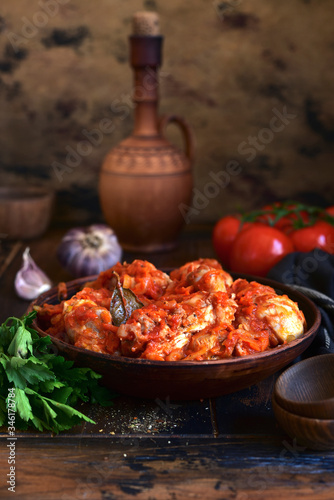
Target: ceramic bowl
pixel 307 388
pixel 187 380
pixel 313 433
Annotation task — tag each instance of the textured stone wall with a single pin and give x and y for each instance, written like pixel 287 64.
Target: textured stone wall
pixel 254 79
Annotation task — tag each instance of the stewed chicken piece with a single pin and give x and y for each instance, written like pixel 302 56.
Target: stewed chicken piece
pixel 201 274
pixel 88 324
pixel 260 307
pixel 163 330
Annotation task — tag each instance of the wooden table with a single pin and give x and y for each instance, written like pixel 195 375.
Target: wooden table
pixel 227 448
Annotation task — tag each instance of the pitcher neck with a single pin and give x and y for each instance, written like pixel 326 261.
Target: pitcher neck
pixel 146 119
pixel 145 60
pixel 146 100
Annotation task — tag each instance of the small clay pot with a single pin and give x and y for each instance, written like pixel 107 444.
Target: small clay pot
pixel 25 211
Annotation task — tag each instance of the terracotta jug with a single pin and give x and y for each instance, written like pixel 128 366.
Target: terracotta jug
pixel 145 181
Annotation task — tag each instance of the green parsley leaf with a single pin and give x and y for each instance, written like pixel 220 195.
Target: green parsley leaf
pixel 46 385
pixel 23 406
pixel 27 371
pixel 21 345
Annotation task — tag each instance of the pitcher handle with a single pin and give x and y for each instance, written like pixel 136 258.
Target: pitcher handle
pixel 186 131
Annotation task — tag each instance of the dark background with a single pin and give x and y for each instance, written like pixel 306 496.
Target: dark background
pixel 228 68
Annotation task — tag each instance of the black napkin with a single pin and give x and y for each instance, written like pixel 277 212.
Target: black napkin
pixel 312 273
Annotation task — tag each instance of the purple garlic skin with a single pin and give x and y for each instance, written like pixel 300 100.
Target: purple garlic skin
pixel 87 251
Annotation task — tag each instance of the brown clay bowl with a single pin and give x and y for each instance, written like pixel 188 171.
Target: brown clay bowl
pixel 313 433
pixel 307 388
pixel 25 211
pixel 187 380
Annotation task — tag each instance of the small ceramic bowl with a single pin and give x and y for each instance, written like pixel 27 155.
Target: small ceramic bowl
pixel 25 211
pixel 313 433
pixel 307 388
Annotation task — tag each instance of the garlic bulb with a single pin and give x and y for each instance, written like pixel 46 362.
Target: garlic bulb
pixel 89 250
pixel 30 280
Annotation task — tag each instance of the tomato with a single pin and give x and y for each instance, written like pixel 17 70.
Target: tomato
pixel 320 235
pixel 330 210
pixel 258 243
pixel 269 213
pixel 257 248
pixel 223 236
pixel 286 222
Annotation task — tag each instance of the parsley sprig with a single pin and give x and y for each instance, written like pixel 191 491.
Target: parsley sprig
pixel 47 387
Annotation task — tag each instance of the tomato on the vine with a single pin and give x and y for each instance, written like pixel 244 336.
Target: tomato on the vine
pixel 257 248
pixel 284 216
pixel 287 223
pixel 330 210
pixel 255 241
pixel 267 214
pixel 223 236
pixel 319 235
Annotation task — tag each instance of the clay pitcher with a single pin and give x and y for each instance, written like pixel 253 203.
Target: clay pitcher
pixel 145 182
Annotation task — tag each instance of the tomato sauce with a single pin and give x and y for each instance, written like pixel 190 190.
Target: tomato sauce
pixel 197 313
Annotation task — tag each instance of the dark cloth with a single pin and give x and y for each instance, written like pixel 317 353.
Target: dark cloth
pixel 312 274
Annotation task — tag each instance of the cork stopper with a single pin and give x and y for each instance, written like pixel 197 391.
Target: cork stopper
pixel 146 24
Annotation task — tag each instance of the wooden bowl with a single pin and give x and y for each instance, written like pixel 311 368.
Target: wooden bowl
pixel 186 380
pixel 314 433
pixel 25 211
pixel 307 388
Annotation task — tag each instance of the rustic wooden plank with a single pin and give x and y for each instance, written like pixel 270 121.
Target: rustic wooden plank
pixel 139 417
pixel 8 251
pixel 11 305
pixel 131 417
pixel 248 411
pixel 168 469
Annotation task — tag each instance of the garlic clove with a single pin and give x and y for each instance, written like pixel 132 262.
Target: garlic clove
pixel 30 280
